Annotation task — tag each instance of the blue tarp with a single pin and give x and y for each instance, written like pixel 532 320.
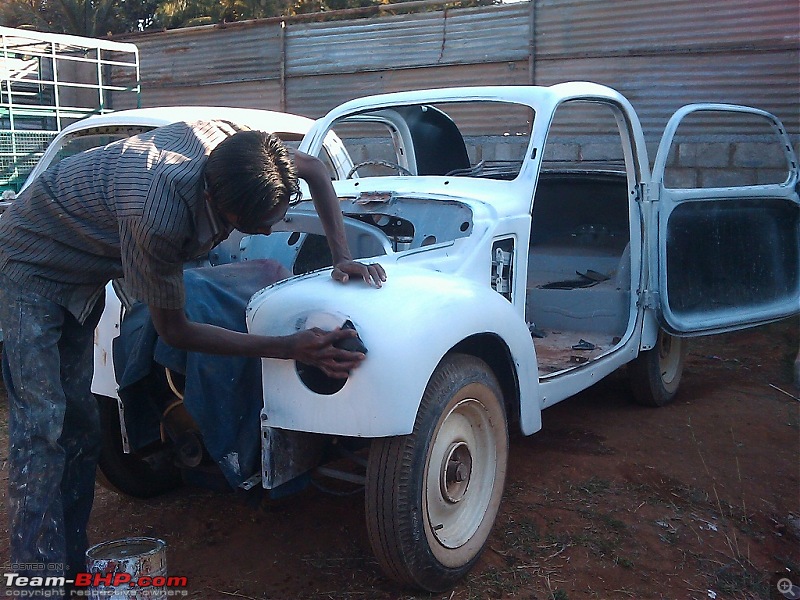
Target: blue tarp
pixel 223 394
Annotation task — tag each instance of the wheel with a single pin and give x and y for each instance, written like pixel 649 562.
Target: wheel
pixel 379 163
pixel 656 374
pixel 432 496
pixel 131 474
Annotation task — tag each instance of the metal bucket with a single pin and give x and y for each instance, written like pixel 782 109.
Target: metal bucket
pixel 117 568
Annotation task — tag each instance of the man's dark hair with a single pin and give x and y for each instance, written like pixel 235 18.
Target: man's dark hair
pixel 250 173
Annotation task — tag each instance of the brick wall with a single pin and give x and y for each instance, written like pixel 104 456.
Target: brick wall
pixel 719 164
pixel 693 165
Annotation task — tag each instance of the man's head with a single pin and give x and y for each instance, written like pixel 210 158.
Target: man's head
pixel 251 180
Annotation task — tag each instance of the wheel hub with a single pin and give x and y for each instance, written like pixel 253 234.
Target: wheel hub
pixel 669 358
pixel 455 472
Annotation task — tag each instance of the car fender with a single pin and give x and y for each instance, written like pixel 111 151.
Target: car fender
pixel 408 326
pixel 104 381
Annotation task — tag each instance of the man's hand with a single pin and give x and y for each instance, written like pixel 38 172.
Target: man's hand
pixel 312 347
pixel 371 274
pixel 326 202
pixel 315 347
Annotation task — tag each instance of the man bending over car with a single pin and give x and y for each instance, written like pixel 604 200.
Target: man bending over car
pixel 137 209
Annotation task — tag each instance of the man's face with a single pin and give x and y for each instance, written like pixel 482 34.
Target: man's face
pixel 264 226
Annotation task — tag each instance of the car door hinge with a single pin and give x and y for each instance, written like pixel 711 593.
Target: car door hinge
pixel 649 299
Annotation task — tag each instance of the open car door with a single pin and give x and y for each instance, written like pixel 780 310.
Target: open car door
pixel 727 254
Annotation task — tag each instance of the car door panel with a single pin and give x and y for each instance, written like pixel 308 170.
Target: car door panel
pixel 727 256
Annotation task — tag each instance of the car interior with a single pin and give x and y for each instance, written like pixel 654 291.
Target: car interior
pixel 579 268
pixel 578 302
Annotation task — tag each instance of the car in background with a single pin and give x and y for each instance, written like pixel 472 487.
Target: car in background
pixel 100 130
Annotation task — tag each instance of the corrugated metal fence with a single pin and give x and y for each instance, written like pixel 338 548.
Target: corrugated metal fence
pixel 660 55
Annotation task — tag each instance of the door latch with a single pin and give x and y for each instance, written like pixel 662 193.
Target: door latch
pixel 502 267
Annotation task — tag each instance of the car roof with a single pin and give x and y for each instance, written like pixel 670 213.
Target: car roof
pixel 265 120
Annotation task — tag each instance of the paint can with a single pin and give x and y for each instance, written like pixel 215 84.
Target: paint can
pixel 128 569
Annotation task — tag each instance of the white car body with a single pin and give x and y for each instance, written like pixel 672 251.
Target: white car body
pixel 438 296
pixel 482 323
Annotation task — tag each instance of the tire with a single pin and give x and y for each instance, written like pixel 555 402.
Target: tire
pixel 131 474
pixel 655 375
pixel 432 496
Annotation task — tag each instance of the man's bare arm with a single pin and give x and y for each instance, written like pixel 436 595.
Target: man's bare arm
pixel 313 171
pixel 312 346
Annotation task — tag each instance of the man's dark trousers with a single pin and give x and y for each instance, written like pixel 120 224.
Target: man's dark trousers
pixel 54 430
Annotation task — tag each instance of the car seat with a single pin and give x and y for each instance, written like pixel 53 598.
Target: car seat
pixel 438 144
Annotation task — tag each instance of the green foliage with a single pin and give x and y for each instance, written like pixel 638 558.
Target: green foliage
pixel 89 18
pixel 136 15
pixel 34 14
pixel 182 13
pixel 99 18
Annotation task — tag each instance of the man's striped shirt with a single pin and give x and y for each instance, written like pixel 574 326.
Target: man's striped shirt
pixel 133 209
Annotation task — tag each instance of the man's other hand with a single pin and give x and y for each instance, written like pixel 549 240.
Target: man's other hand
pixel 315 347
pixel 372 274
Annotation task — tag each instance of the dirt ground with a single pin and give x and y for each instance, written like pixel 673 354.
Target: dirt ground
pixel 697 500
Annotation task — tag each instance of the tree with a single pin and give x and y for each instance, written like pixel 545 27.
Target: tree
pixel 98 18
pixel 34 14
pixel 137 15
pixel 89 18
pixel 182 13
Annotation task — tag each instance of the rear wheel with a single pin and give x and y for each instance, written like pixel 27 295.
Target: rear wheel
pixel 432 496
pixel 141 475
pixel 655 374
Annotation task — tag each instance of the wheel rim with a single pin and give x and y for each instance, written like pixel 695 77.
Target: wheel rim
pixel 461 473
pixel 669 358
